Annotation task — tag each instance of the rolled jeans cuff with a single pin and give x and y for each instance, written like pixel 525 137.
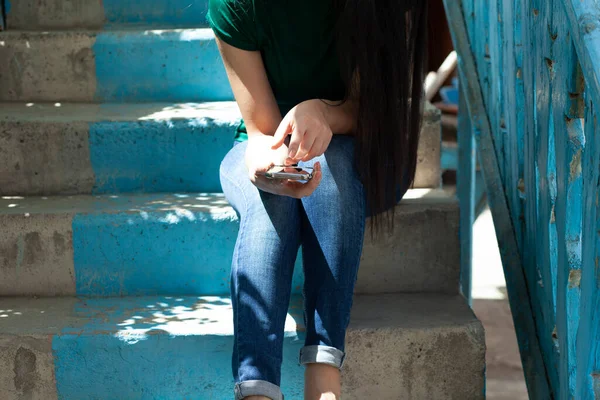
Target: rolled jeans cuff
pixel 322 355
pixel 257 388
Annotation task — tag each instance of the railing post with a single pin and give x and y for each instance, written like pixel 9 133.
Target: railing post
pixel 583 17
pixel 567 88
pixel 540 245
pixel 466 196
pixel 587 381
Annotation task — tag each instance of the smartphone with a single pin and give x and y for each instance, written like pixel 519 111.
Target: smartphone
pixel 291 172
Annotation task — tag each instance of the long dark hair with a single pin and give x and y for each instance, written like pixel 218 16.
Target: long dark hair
pixel 382 46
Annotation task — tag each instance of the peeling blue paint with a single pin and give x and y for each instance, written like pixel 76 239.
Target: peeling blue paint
pixel 159 65
pixel 149 253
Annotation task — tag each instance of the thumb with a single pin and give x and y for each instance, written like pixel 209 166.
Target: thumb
pixel 281 133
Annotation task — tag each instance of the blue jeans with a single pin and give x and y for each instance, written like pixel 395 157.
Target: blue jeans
pixel 330 226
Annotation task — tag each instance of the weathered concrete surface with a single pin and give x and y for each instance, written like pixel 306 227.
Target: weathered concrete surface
pixel 27 370
pixel 422 347
pixel 429 173
pixel 48 149
pixel 36 255
pixel 26 329
pixel 47 66
pixel 48 14
pixel 129 65
pixel 398 347
pixel 422 255
pixel 111 251
pixel 85 148
pixel 94 14
pixel 43 159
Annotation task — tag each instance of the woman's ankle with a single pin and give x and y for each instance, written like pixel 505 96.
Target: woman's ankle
pixel 322 382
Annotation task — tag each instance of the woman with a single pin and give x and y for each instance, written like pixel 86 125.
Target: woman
pixel 334 85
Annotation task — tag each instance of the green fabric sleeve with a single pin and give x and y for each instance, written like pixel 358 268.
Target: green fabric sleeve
pixel 234 22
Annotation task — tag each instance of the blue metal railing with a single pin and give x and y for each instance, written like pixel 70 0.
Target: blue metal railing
pixel 530 76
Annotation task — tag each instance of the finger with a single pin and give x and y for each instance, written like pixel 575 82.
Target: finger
pixel 260 171
pixel 307 144
pixel 314 150
pixel 296 138
pixel 283 130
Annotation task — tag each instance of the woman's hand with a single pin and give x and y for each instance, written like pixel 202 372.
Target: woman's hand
pixel 309 129
pixel 260 157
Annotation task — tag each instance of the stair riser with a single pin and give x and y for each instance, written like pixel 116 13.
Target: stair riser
pixel 103 367
pixel 190 253
pixel 115 66
pixel 112 157
pixel 436 363
pixel 182 155
pixel 94 14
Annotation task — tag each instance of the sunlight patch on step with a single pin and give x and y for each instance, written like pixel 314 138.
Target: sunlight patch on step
pixel 178 215
pixel 417 193
pixel 185 35
pixel 199 114
pixel 209 315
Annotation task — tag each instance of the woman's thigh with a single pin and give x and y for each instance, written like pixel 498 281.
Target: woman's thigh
pixel 269 234
pixel 336 211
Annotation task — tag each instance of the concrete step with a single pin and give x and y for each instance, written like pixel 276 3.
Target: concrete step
pixel 66 148
pixel 175 244
pixel 94 14
pixel 113 148
pixel 141 64
pixel 398 347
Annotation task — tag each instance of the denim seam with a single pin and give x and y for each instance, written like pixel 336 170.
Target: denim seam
pixel 241 232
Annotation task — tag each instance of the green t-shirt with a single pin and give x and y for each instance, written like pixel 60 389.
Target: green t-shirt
pixel 296 40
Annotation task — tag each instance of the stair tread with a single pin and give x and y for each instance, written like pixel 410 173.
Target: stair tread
pixel 92 112
pixel 212 315
pixel 398 346
pixel 113 29
pixel 158 111
pixel 182 203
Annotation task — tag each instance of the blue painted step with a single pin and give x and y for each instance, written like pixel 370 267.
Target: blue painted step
pixel 142 64
pixel 176 244
pixel 180 348
pixel 114 148
pixel 94 14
